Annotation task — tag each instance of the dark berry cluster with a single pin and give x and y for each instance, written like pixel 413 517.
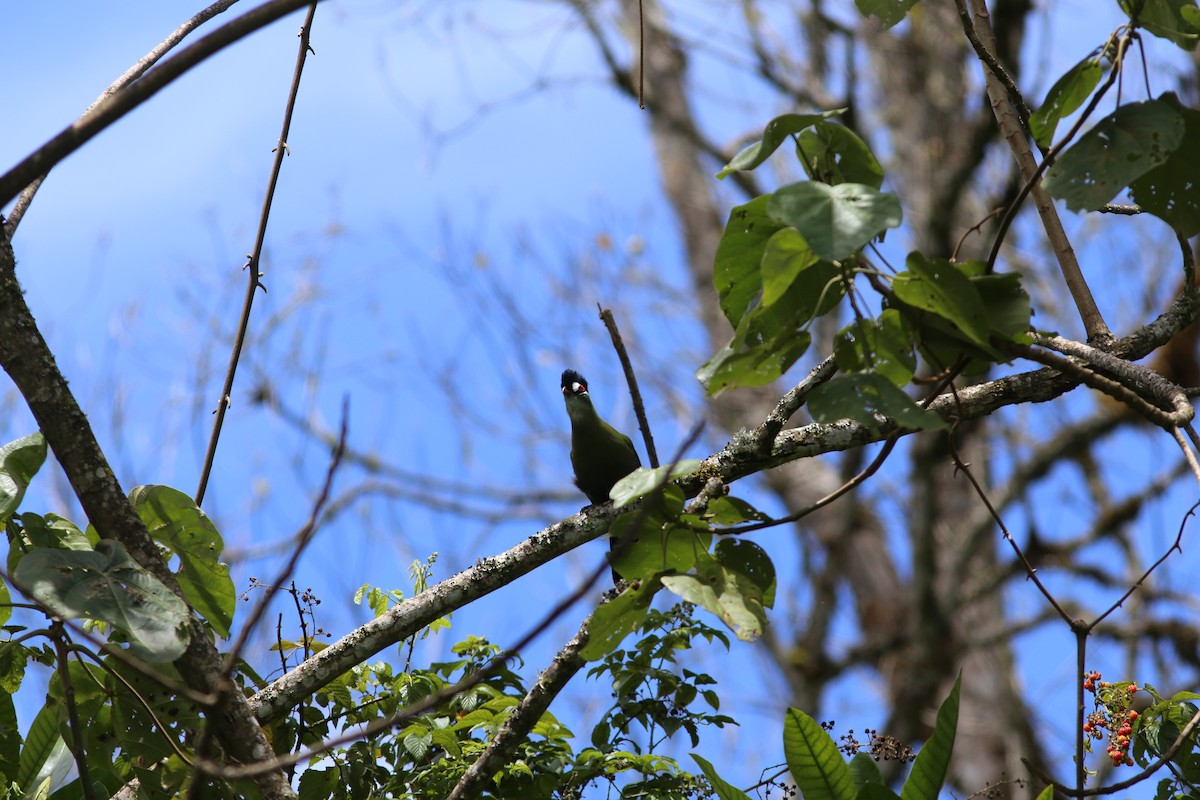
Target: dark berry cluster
pixel 1113 716
pixel 880 747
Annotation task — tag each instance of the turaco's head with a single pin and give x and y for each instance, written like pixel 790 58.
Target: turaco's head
pixel 575 391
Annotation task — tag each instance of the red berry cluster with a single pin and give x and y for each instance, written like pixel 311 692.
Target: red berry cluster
pixel 1113 715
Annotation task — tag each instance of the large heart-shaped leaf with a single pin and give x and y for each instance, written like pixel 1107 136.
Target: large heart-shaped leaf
pixel 1117 151
pixel 836 221
pixel 107 584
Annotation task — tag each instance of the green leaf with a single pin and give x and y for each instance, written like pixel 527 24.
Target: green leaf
pixel 774 134
pixel 814 760
pixel 1066 95
pixel 40 744
pixel 175 521
pixel 864 770
pixel 865 397
pixel 724 790
pixel 876 791
pixel 750 567
pixel 834 154
pixel 652 552
pixel 5 603
pixel 13 658
pixel 836 221
pixel 884 345
pixel 10 740
pixel 1169 191
pixel 643 480
pixel 933 761
pixel 1114 153
pixel 784 258
pixel 1007 303
pixel 756 367
pixel 19 462
pixel 939 287
pixel 731 511
pixel 739 253
pixel 1047 793
pixel 888 12
pixel 106 584
pixel 613 621
pixel 1175 20
pixel 731 587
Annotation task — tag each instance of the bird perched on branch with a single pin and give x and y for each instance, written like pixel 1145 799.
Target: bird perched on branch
pixel 600 454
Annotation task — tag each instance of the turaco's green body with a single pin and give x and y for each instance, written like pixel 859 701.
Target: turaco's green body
pixel 600 454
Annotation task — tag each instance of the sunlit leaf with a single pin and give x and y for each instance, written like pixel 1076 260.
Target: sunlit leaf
pixel 836 221
pixel 643 481
pixel 939 287
pixel 888 12
pixel 868 398
pixel 1066 95
pixel 739 253
pixel 107 584
pixel 834 154
pixel 1174 20
pixel 723 789
pixel 19 462
pixel 174 520
pixel 933 760
pixel 814 759
pixel 774 134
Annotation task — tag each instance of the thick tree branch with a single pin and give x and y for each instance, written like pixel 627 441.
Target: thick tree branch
pixel 27 359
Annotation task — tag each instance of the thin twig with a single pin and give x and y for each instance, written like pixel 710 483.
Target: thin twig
pixel 1176 545
pixel 118 105
pixel 252 265
pixel 302 539
pixel 129 76
pixel 1030 570
pixel 1015 134
pixel 639 407
pixel 59 636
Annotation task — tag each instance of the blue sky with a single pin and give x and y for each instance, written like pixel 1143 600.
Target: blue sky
pixel 420 141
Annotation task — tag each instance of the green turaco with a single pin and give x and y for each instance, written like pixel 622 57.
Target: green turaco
pixel 600 454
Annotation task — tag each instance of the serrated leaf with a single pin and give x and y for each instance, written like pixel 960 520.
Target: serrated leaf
pixel 836 221
pixel 814 760
pixel 865 397
pixel 834 154
pixel 1065 96
pixel 643 480
pixel 888 12
pixel 107 584
pixel 1114 153
pixel 19 462
pixel 774 134
pixel 933 760
pixel 174 520
pixel 739 253
pixel 724 790
pixel 1171 191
